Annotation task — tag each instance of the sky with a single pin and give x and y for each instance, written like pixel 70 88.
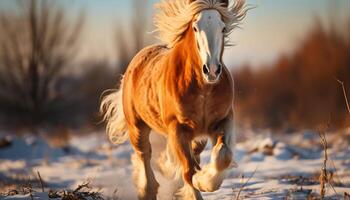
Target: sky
pixel 273 28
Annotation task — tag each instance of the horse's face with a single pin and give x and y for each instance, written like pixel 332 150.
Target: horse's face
pixel 209 32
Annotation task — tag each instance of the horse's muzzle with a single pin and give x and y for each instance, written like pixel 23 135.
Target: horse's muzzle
pixel 212 73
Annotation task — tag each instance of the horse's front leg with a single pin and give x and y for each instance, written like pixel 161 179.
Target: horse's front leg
pixel 198 147
pixel 180 138
pixel 211 176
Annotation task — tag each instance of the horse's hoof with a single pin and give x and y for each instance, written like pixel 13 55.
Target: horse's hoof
pixel 207 180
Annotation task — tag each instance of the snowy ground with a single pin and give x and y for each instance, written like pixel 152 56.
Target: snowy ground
pixel 286 167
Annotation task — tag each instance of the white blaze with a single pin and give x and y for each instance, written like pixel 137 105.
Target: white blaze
pixel 209 35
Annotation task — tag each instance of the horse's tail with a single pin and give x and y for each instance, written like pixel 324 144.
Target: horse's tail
pixel 112 110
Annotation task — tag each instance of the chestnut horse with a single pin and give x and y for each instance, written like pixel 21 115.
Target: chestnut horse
pixel 183 91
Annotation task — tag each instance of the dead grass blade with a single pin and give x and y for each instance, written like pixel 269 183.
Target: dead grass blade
pixel 325 176
pixel 245 184
pixel 41 182
pixel 324 173
pixel 344 92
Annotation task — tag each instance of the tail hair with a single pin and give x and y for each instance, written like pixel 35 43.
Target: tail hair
pixel 112 111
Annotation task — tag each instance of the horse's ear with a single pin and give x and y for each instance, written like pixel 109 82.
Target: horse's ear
pixel 190 1
pixel 224 2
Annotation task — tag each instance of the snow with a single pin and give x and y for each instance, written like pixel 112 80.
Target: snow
pixel 279 165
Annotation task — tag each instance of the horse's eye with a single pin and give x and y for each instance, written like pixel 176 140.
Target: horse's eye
pixel 224 30
pixel 195 29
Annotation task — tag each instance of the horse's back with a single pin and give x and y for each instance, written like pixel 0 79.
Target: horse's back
pixel 145 65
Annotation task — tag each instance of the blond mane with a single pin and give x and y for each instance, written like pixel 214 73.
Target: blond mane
pixel 174 17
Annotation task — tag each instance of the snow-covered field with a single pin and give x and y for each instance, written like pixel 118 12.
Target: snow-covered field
pixel 270 166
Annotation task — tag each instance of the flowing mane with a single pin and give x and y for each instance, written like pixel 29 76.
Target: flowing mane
pixel 174 17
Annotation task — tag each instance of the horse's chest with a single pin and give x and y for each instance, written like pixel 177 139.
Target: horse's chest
pixel 204 110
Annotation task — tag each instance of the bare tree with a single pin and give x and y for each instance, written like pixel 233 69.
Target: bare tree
pixel 36 43
pixel 127 47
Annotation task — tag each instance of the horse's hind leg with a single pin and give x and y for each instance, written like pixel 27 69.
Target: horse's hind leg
pixel 143 176
pixel 211 176
pixel 168 165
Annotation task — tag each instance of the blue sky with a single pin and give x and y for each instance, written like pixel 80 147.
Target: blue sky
pixel 275 27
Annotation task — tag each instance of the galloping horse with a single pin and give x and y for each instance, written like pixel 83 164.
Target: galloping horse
pixel 183 91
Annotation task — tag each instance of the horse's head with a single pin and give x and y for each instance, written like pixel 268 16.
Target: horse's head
pixel 210 21
pixel 209 35
pixel 209 31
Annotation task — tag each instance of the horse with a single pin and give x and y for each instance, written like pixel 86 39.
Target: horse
pixel 182 90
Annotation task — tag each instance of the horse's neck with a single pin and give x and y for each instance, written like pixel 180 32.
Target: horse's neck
pixel 185 62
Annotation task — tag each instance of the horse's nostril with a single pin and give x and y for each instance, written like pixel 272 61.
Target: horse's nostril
pixel 205 69
pixel 218 70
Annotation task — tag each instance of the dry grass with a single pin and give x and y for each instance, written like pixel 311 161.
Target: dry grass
pixel 344 92
pixel 41 182
pixel 82 192
pixel 326 176
pixel 324 173
pixel 245 183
